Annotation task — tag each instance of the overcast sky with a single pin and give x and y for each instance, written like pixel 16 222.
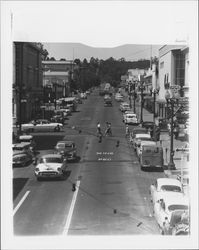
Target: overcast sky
pixel 72 51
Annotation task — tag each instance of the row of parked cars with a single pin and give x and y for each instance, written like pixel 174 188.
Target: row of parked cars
pixel 169 196
pixel 24 146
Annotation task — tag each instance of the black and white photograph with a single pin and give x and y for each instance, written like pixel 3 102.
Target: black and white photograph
pixel 99 118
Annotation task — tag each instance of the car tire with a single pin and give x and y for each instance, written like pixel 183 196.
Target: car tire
pixel 38 179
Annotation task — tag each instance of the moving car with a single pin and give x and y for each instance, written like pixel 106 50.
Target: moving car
pixel 131 119
pixel 67 149
pixel 164 185
pixel 151 156
pixel 167 207
pixel 42 125
pixel 50 166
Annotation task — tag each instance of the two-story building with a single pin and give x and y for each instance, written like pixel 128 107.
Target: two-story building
pixel 57 77
pixel 27 80
pixel 173 74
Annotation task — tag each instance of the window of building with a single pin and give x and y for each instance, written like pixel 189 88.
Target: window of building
pixel 179 68
pixel 162 65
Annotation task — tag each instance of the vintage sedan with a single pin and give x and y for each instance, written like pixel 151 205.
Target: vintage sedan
pixel 140 137
pixel 42 125
pixel 124 106
pixel 126 113
pixel 119 97
pixel 142 143
pixel 67 149
pixel 131 119
pixel 164 185
pixel 21 159
pixel 51 166
pixel 167 206
pixel 137 130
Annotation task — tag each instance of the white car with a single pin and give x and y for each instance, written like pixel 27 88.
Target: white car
pixel 143 143
pixel 131 119
pixel 164 185
pixel 51 166
pixel 139 137
pixel 127 112
pixel 42 125
pixel 167 207
pixel 124 107
pixel 119 97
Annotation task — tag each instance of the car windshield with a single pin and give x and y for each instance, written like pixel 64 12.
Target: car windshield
pixel 177 207
pixel 131 116
pixel 50 160
pixel 18 148
pixel 172 188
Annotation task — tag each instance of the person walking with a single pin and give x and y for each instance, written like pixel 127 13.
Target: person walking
pixel 127 131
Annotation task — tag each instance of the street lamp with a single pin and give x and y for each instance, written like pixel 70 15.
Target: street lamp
pixel 171 101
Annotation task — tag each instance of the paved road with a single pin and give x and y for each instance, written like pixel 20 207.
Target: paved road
pixel 112 192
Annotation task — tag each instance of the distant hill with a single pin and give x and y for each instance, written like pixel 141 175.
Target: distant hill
pixel 129 52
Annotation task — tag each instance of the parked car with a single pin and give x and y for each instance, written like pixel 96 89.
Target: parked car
pixel 167 207
pixel 137 130
pixel 50 166
pixel 124 106
pixel 28 139
pixel 119 97
pixel 143 143
pixel 138 138
pixel 22 153
pixel 22 147
pixel 42 125
pixel 151 156
pixel 164 185
pixel 108 102
pixel 67 149
pixel 131 119
pixel 127 112
pixel 152 128
pixel 21 159
pixel 148 125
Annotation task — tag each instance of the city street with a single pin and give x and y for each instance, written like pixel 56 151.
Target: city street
pixel 112 192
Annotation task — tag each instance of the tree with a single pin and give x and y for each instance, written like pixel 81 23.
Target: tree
pixel 52 59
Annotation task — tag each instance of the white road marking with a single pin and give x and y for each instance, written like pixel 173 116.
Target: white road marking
pixel 21 201
pixel 70 214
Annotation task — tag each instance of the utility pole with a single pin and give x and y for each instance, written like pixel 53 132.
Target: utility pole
pixel 141 114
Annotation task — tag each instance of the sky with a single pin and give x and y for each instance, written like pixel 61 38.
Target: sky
pixel 130 52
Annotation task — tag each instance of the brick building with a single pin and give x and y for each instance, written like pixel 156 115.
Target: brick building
pixel 27 80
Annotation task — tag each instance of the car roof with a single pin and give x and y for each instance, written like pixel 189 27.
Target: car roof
pixel 51 156
pixel 28 137
pixel 148 143
pixel 142 135
pixel 66 142
pixel 139 129
pixel 21 144
pixel 168 181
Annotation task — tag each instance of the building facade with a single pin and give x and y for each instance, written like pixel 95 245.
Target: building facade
pixel 173 75
pixel 27 80
pixel 57 77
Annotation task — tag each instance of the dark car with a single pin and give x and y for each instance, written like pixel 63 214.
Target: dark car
pixel 67 149
pixel 153 129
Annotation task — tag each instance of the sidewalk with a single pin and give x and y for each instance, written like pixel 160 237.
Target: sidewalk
pixel 165 143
